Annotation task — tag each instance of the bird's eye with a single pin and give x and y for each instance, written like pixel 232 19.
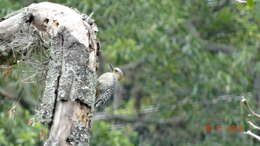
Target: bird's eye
pixel 116 70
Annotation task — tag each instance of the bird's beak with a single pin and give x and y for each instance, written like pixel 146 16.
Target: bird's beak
pixel 120 78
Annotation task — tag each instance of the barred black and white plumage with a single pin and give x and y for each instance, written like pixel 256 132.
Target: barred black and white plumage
pixel 106 85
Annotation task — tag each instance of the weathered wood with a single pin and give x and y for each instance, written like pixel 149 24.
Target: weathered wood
pixel 69 91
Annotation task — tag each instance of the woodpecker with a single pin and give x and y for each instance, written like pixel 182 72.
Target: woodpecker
pixel 106 84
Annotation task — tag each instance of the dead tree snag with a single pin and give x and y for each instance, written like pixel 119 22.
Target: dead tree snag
pixel 69 91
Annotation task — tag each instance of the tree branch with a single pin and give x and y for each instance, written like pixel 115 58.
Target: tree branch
pixel 134 119
pixel 218 47
pixel 249 109
pixel 253 125
pixel 134 65
pixel 252 134
pixel 210 46
pixel 7 94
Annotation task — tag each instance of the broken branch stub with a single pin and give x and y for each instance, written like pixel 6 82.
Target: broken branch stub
pixel 69 90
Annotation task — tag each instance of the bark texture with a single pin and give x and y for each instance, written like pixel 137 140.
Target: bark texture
pixel 70 38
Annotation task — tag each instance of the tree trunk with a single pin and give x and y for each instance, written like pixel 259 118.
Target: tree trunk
pixel 69 91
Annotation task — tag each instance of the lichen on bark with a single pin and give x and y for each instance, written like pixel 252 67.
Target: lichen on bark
pixel 69 88
pixel 79 134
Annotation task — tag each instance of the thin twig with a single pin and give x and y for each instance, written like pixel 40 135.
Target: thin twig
pixel 252 134
pixel 26 80
pixel 6 94
pixel 249 109
pixel 253 125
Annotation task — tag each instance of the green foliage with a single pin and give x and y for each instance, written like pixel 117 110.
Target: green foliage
pixel 106 136
pixel 15 131
pixel 250 3
pixel 180 76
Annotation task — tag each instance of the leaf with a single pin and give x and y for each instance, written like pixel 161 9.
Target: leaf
pixel 250 3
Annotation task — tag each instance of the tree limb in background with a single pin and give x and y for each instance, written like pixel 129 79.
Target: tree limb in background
pixel 217 4
pixel 218 47
pixel 69 91
pixel 136 93
pixel 253 125
pixel 134 119
pixel 145 119
pixel 7 94
pixel 17 99
pixel 213 47
pixel 252 134
pixel 257 83
pixel 133 65
pixel 248 108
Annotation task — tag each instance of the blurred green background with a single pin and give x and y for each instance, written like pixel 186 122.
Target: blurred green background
pixel 187 64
